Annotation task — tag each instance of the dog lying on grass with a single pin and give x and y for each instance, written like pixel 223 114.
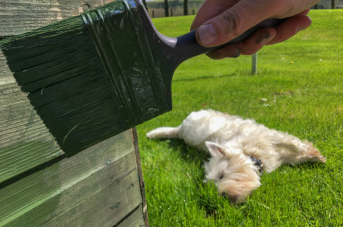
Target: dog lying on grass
pixel 240 149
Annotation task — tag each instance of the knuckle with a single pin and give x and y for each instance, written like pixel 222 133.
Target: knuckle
pixel 231 22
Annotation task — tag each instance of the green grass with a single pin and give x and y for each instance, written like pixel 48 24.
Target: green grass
pixel 304 98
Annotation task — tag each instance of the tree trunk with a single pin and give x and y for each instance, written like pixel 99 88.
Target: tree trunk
pixel 315 6
pixel 166 11
pixel 332 4
pixel 185 7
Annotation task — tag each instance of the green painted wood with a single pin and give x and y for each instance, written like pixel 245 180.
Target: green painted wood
pixel 25 142
pixel 135 219
pixel 19 16
pixel 18 158
pixel 97 187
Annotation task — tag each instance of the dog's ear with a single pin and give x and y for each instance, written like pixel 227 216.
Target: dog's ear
pixel 215 149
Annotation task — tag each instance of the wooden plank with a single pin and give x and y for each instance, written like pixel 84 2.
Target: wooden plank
pixel 25 142
pixel 135 219
pixel 19 16
pixel 97 187
pixel 140 173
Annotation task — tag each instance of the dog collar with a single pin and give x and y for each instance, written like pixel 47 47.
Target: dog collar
pixel 257 162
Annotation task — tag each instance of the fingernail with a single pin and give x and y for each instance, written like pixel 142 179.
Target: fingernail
pixel 300 28
pixel 206 34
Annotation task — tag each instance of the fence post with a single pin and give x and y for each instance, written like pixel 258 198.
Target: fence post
pixel 166 7
pixel 254 64
pixel 193 11
pixel 185 7
pixel 171 12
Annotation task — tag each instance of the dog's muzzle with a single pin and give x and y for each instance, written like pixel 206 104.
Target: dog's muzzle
pixel 257 162
pixel 232 198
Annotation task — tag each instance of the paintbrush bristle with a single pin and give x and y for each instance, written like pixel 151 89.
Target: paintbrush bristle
pixel 59 67
pixel 91 77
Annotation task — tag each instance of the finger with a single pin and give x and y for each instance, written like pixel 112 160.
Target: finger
pixel 240 17
pixel 230 51
pixel 305 12
pixel 290 27
pixel 247 47
pixel 210 9
pixel 231 23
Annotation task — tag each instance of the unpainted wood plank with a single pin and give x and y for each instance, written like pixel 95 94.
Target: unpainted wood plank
pixel 135 219
pixel 109 206
pixel 140 174
pixel 5 72
pixel 98 185
pixel 19 16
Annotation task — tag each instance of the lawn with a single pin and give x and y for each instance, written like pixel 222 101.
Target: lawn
pixel 302 80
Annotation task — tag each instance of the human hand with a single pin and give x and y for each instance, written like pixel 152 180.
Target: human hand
pixel 219 21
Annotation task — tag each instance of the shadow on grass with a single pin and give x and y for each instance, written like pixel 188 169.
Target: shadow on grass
pixel 306 165
pixel 207 196
pixel 201 78
pixel 189 154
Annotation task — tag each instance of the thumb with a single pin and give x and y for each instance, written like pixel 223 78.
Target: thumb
pixel 230 24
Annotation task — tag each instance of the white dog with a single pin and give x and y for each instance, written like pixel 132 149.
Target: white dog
pixel 240 149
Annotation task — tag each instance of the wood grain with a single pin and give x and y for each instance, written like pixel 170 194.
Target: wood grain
pixel 140 173
pixel 100 186
pixel 25 142
pixel 135 219
pixel 97 187
pixel 19 16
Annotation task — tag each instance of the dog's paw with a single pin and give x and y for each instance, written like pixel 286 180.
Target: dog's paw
pixel 164 133
pixel 257 162
pixel 152 134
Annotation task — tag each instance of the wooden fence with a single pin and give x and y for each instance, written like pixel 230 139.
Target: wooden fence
pixel 100 186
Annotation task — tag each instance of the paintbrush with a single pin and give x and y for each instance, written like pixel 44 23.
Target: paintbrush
pixel 93 76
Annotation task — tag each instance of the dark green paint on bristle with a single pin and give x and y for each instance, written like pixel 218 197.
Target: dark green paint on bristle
pixel 68 81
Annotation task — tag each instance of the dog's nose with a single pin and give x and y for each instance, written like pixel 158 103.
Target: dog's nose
pixel 223 194
pixel 232 198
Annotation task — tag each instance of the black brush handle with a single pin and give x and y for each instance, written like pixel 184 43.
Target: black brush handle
pixel 188 47
pixel 184 47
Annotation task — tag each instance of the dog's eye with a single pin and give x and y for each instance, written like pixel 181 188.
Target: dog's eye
pixel 221 176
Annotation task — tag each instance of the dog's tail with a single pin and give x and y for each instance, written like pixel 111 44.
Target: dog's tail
pixel 164 133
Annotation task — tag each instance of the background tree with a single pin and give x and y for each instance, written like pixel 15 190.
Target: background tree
pixel 166 13
pixel 185 7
